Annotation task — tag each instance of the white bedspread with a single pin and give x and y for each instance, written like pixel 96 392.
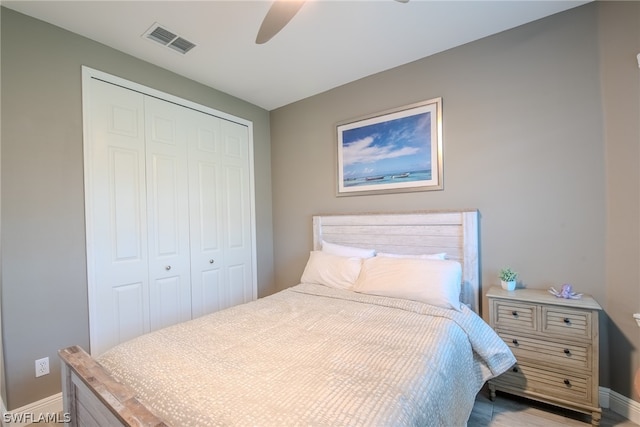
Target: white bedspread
pixel 315 356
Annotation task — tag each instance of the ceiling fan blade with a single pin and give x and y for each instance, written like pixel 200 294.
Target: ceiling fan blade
pixel 277 17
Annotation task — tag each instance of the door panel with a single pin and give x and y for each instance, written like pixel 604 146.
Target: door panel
pixel 208 216
pixel 163 301
pixel 236 276
pixel 168 213
pixel 127 300
pixel 237 190
pixel 234 208
pixel 116 217
pixel 124 205
pixel 165 187
pixel 205 210
pixel 211 297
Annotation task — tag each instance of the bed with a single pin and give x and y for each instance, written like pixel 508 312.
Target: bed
pixel 337 349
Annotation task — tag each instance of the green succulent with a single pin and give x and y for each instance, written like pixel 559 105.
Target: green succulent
pixel 508 275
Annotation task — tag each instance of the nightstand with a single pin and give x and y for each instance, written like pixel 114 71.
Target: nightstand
pixel 555 342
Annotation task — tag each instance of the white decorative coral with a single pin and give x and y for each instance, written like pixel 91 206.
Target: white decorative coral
pixel 565 292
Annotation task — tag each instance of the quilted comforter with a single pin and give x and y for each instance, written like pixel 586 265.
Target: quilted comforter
pixel 315 356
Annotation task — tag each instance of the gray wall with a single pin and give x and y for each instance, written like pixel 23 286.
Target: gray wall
pixel 528 140
pixel 619 41
pixel 44 286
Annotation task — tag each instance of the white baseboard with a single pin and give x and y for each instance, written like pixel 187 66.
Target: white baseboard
pixel 604 397
pixel 620 404
pixel 32 412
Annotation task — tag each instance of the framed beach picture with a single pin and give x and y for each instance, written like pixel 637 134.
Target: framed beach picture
pixel 394 151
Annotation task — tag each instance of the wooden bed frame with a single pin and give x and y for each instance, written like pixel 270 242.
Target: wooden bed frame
pixel 93 398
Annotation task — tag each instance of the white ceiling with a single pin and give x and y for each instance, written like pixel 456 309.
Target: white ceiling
pixel 327 44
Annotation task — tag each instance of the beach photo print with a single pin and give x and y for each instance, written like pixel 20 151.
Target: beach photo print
pixel 395 151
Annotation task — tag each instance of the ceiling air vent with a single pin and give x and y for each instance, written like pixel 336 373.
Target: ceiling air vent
pixel 168 38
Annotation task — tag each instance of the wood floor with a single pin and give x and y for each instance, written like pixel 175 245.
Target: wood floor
pixel 512 411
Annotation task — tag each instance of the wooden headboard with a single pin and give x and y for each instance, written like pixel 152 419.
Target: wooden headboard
pixel 414 233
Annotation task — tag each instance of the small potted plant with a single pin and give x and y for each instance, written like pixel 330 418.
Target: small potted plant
pixel 508 279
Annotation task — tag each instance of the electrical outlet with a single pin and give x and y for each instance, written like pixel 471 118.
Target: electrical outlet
pixel 42 367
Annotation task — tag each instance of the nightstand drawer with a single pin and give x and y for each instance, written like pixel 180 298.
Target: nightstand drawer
pixel 570 356
pixel 516 315
pixel 565 321
pixel 574 387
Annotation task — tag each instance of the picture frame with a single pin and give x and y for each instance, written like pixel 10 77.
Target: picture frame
pixel 398 150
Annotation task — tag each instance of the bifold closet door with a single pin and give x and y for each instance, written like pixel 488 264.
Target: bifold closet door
pixel 167 212
pixel 116 216
pixel 137 215
pixel 220 211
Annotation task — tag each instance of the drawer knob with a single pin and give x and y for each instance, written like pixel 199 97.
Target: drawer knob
pixel 168 267
pixel 567 383
pixel 211 261
pixel 515 369
pixel 515 342
pixel 567 352
pixel 514 313
pixel 567 321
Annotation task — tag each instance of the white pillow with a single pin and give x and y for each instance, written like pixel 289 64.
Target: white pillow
pixel 435 282
pixel 349 251
pixel 441 255
pixel 331 270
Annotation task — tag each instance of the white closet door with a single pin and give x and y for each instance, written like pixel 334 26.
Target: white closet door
pixel 208 293
pixel 116 217
pixel 221 251
pixel 168 213
pixel 237 213
pixel 169 216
